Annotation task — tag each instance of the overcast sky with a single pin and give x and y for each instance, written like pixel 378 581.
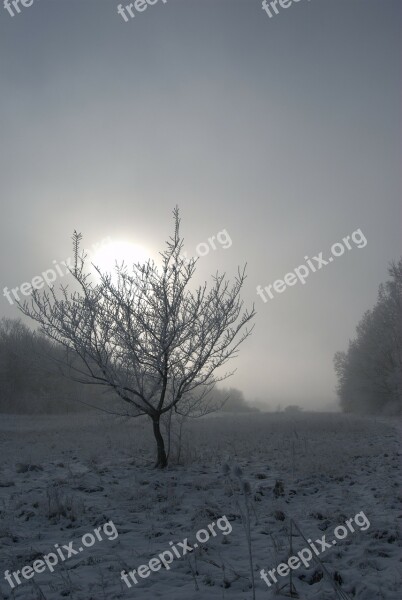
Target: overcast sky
pixel 283 131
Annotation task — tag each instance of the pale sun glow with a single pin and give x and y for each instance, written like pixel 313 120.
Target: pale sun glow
pixel 119 251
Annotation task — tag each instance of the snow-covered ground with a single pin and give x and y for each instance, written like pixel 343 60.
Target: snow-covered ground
pixel 61 477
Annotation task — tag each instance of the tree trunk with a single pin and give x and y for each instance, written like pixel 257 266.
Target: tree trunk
pixel 161 462
pixel 169 433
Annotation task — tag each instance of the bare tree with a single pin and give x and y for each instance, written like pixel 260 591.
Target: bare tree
pixel 146 334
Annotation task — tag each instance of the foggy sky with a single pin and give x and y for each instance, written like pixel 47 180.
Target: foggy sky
pixel 283 131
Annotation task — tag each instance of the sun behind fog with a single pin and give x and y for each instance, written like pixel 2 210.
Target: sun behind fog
pixel 119 252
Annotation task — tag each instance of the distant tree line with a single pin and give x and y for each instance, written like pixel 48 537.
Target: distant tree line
pixel 32 382
pixel 370 371
pixel 235 401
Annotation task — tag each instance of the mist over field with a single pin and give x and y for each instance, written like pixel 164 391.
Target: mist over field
pixel 201 299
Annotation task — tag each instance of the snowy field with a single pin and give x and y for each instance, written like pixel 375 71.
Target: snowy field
pixel 63 477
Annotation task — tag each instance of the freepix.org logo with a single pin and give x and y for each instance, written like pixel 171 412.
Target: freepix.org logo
pixel 48 277
pixel 301 272
pixel 306 556
pixel 271 7
pixel 176 550
pixel 49 561
pixel 130 10
pixel 14 6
